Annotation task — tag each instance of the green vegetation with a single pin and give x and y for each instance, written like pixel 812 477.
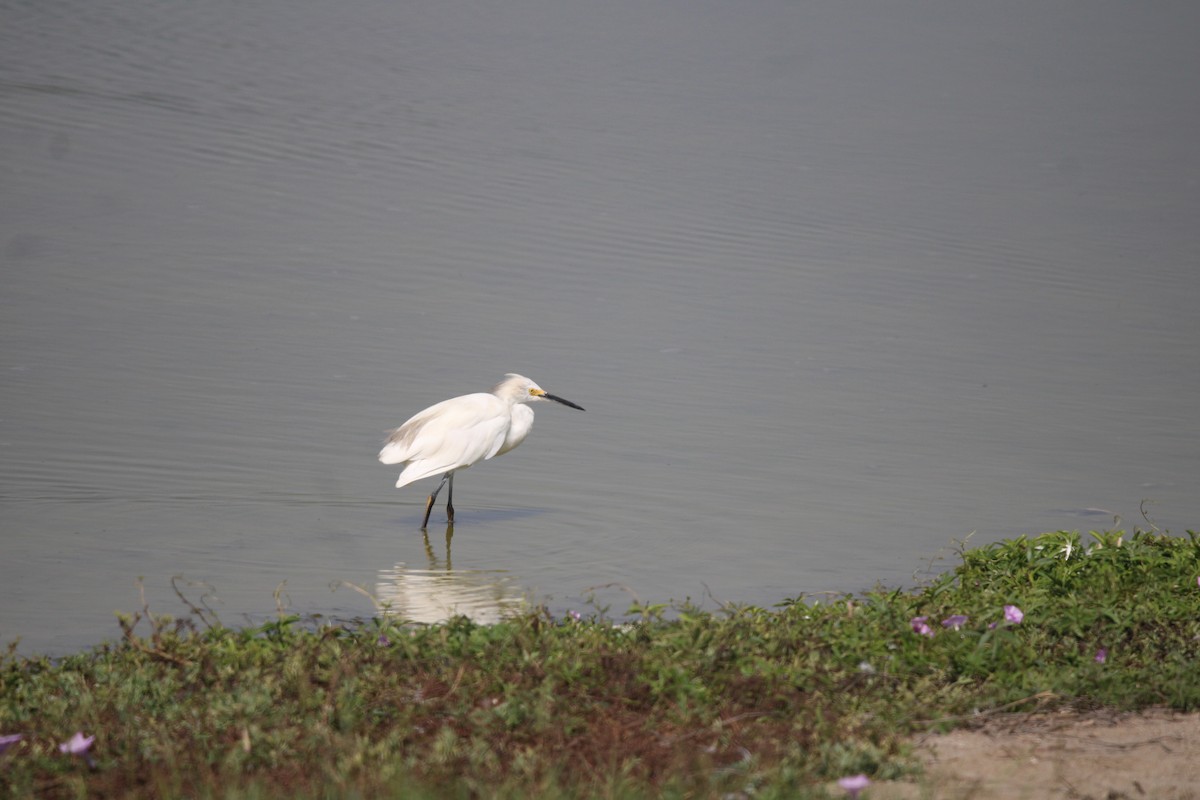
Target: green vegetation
pixel 678 702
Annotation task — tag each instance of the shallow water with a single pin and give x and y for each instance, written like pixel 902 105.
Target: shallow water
pixel 838 284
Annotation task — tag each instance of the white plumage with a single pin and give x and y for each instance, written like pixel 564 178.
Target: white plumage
pixel 461 431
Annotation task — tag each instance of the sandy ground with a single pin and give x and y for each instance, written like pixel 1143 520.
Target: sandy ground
pixel 1081 756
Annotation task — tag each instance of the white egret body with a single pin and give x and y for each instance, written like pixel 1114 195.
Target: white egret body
pixel 461 431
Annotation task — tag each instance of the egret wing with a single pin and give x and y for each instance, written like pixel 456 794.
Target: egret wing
pixel 450 435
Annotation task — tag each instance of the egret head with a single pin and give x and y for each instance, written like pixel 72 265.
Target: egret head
pixel 520 389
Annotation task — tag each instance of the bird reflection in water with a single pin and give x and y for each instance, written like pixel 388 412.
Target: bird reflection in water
pixel 441 592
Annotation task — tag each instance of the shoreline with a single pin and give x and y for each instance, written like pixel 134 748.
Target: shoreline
pixel 1036 667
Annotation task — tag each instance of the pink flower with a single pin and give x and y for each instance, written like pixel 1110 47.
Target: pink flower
pixel 1013 614
pixel 854 784
pixel 954 622
pixel 1102 655
pixel 921 626
pixel 77 745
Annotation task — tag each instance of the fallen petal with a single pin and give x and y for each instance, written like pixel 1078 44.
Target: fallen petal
pixel 77 744
pixel 919 625
pixel 954 622
pixel 853 784
pixel 8 740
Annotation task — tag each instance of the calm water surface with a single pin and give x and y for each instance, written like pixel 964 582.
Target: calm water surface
pixel 838 283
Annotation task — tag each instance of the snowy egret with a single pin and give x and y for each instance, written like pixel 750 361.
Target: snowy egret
pixel 461 431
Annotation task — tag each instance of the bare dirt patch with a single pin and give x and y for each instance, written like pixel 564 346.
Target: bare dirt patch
pixel 1060 756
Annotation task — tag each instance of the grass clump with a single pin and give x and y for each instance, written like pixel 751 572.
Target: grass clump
pixel 743 701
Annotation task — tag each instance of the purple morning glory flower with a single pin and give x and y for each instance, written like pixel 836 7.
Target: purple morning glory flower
pixel 854 784
pixel 9 739
pixel 954 622
pixel 920 625
pixel 77 745
pixel 1013 614
pixel 1102 655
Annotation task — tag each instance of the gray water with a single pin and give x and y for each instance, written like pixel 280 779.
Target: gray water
pixel 838 283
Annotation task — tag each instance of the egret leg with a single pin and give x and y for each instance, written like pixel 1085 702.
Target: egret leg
pixel 432 497
pixel 450 500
